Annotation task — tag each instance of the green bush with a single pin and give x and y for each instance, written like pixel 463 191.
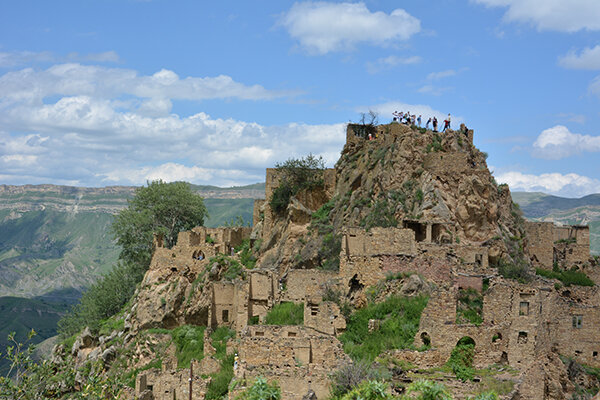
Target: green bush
pixel 219 384
pixel 518 271
pixel 261 390
pixel 294 176
pixel 102 300
pixel 400 318
pixel 350 375
pixel 369 390
pixel 461 359
pixel 232 268
pixel 189 343
pixel 246 256
pixel 286 313
pixel 381 214
pixel 469 308
pixel 427 390
pixel 567 277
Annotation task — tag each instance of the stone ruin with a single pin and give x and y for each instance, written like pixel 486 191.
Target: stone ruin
pixel 521 323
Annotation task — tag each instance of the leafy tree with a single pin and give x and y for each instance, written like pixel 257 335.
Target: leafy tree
pixel 162 208
pixel 295 175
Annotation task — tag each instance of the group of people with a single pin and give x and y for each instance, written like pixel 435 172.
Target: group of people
pixel 412 119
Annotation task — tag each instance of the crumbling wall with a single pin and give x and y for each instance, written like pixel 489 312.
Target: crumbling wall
pixel 300 283
pixel 299 358
pixel 169 385
pixel 323 316
pixel 564 246
pixel 378 241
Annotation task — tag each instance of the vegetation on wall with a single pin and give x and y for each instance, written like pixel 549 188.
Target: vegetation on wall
pixel 567 277
pixel 296 175
pixel 399 318
pixel 469 307
pixel 461 359
pixel 286 313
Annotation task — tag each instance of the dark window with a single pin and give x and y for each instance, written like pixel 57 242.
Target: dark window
pixel 524 308
pixel 522 338
pixel 225 315
pixel 577 321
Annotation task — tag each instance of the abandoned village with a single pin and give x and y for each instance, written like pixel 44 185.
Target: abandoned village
pixel 410 214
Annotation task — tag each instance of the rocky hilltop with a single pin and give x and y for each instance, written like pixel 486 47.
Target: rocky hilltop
pixel 406 258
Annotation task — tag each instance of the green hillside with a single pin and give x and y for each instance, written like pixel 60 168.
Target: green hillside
pixel 21 315
pixel 582 211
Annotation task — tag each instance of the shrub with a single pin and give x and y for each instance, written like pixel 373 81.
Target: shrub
pixel 380 215
pixel 232 268
pixel 469 307
pixel 261 390
pixel 461 359
pixel 189 343
pixel 400 318
pixel 517 271
pixel 286 313
pixel 296 175
pixel 567 277
pixel 246 256
pixel 219 384
pixel 103 299
pixel 369 390
pixel 427 390
pixel 350 375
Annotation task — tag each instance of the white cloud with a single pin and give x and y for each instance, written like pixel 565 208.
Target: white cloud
pixel 568 185
pixel 433 89
pixel 589 58
pixel 558 142
pixel 91 125
pixel 555 15
pixel 385 111
pixel 322 27
pixel 74 79
pixel 439 75
pixel 385 63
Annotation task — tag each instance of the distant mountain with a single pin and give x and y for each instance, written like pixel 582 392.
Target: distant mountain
pixel 582 211
pixel 58 237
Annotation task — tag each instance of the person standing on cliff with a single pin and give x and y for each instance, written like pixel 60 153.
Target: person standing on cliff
pixel 419 121
pixel 434 124
pixel 427 123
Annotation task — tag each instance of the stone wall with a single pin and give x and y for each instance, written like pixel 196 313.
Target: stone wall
pixel 323 316
pixel 299 358
pixel 169 385
pixel 564 245
pixel 300 283
pixel 378 241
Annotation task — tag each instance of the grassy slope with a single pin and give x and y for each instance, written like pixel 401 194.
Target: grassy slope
pixel 20 316
pixel 543 207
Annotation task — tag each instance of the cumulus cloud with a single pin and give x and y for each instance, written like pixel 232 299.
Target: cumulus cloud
pixel 588 58
pixel 554 15
pixel 558 142
pixel 385 63
pixel 100 82
pixel 323 27
pixel 568 185
pixel 385 110
pixel 91 125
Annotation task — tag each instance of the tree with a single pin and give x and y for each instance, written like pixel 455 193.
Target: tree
pixel 161 208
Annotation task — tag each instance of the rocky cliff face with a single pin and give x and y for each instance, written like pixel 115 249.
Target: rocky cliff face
pixel 403 176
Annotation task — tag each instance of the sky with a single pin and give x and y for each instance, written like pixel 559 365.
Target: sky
pixel 119 92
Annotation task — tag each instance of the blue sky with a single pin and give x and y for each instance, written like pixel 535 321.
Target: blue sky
pixel 97 93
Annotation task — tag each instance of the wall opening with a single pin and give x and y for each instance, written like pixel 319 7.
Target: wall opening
pixel 594 354
pixel 479 260
pixel 497 337
pixel 259 334
pixel 524 308
pixel 504 358
pixel 198 255
pixel 355 285
pixel 291 334
pixel 426 339
pixel 437 234
pixel 225 315
pixel 419 229
pixel 522 338
pixel 577 321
